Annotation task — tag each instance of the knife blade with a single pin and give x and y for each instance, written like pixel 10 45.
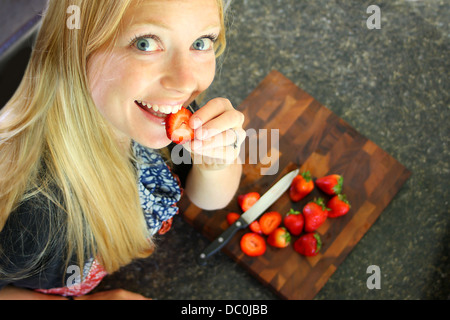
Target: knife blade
pixel 249 216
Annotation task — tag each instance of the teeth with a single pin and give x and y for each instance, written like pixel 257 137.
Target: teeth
pixel 167 109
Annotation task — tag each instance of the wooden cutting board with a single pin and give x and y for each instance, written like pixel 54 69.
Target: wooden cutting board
pixel 313 138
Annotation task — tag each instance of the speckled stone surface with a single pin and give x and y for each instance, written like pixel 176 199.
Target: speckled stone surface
pixel 390 84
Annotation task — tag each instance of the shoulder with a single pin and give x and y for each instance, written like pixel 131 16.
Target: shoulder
pixel 31 239
pixel 33 217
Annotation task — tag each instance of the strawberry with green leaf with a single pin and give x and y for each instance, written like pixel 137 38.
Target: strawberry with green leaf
pixel 309 244
pixel 294 222
pixel 279 238
pixel 331 184
pixel 338 206
pixel 315 214
pixel 301 186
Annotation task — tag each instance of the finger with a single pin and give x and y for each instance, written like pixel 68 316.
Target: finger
pixel 215 117
pixel 222 155
pixel 230 137
pixel 228 119
pixel 210 110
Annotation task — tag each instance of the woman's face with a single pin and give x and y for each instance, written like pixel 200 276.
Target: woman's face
pixel 164 58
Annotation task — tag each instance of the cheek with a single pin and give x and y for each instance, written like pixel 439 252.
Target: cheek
pixel 100 76
pixel 111 79
pixel 207 74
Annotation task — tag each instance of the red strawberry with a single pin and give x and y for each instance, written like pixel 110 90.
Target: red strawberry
pixel 177 126
pixel 331 184
pixel 308 245
pixel 279 238
pixel 232 217
pixel 255 227
pixel 269 221
pixel 338 206
pixel 294 222
pixel 315 213
pixel 253 244
pixel 301 186
pixel 247 200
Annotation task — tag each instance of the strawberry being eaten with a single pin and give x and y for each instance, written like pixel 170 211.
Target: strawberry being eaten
pixel 177 126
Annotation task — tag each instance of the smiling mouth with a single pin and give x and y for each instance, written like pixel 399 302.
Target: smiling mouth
pixel 160 111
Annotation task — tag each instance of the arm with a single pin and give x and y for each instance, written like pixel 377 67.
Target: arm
pixel 16 254
pixel 216 172
pixel 14 293
pixel 213 189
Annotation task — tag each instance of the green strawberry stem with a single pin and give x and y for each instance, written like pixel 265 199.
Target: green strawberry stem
pixel 321 202
pixel 319 242
pixel 343 198
pixel 338 188
pixel 287 236
pixel 292 211
pixel 307 176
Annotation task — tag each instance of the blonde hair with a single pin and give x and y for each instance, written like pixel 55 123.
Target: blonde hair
pixel 51 134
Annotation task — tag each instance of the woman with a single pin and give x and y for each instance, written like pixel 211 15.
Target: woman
pixel 83 188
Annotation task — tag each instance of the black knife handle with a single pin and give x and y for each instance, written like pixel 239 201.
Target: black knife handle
pixel 220 241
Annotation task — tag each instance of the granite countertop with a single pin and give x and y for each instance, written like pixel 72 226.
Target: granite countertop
pixel 391 84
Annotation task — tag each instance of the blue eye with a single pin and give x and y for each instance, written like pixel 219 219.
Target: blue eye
pixel 146 44
pixel 203 44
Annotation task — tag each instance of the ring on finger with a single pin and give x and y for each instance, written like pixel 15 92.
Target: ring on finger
pixel 235 143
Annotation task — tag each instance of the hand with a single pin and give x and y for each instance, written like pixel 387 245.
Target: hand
pixel 116 294
pixel 218 133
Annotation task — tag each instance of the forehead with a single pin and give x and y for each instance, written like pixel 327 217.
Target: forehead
pixel 169 12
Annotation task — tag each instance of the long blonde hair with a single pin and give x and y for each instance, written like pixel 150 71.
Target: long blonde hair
pixel 52 135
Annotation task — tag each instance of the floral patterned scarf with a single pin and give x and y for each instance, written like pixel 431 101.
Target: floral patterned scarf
pixel 159 189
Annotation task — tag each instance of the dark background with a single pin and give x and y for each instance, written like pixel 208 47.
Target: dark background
pixel 390 84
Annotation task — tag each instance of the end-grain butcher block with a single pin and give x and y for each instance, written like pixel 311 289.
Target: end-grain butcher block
pixel 288 129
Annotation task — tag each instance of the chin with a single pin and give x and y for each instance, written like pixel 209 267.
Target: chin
pixel 154 143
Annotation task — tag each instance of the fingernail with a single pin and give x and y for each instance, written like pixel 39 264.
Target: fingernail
pixel 196 123
pixel 203 134
pixel 195 144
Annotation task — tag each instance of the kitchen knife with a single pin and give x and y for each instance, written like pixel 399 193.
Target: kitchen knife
pixel 249 216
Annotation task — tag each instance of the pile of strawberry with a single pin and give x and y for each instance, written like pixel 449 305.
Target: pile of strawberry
pixel 279 230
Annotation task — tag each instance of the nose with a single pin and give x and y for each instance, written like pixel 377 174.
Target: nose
pixel 179 75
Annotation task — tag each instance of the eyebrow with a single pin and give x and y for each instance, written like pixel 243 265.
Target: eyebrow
pixel 151 22
pixel 163 25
